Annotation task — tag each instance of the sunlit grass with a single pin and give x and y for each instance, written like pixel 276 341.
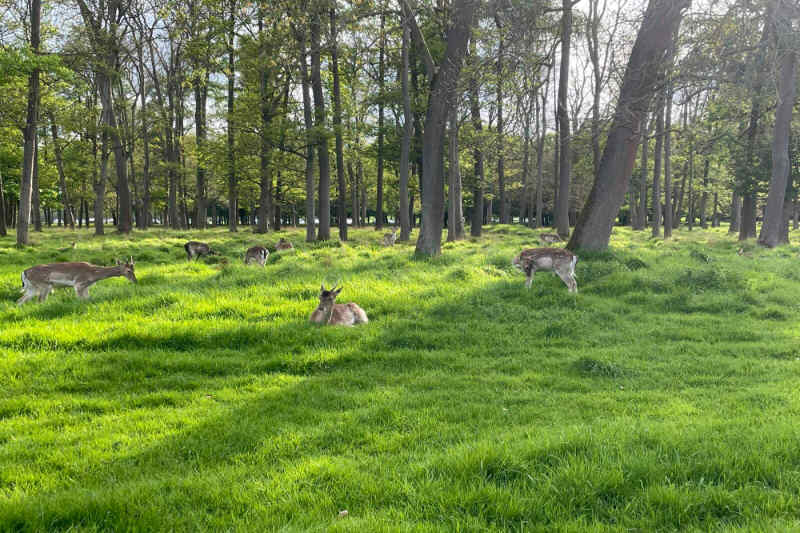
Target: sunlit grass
pixel 664 396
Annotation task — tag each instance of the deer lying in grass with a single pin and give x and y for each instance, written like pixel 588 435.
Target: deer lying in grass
pixel 283 244
pixel 39 280
pixel 256 254
pixel 560 261
pixel 390 238
pixel 550 238
pixel 196 249
pixel 329 312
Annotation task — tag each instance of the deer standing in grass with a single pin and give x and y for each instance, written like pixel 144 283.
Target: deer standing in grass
pixel 560 261
pixel 196 249
pixel 283 244
pixel 550 238
pixel 329 312
pixel 390 238
pixel 39 280
pixel 256 254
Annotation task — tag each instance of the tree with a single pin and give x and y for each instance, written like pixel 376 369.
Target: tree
pixel 405 143
pixel 29 151
pixel 442 92
pixel 565 162
pixel 341 206
pixel 321 134
pixel 639 83
pixel 787 89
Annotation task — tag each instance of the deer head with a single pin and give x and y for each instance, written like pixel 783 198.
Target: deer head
pixel 126 269
pixel 328 297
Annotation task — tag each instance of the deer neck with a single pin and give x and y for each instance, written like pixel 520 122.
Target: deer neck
pixel 106 272
pixel 327 313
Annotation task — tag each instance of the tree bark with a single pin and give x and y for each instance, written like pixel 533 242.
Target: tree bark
pixel 653 42
pixel 443 87
pixel 540 161
pixel 26 182
pixel 341 200
pixel 476 224
pixel 501 171
pixel 668 164
pixel 565 164
pixel 62 178
pixel 381 104
pixel 405 142
pixel 233 205
pixel 3 229
pixel 642 222
pixel 656 232
pixel 704 195
pixel 774 216
pixel 321 135
pixel 455 213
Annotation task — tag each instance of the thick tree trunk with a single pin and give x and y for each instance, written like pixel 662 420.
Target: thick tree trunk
pixel 443 88
pixel 26 182
pixel 100 187
pixel 311 229
pixel 405 142
pixel 639 83
pixel 774 214
pixel 341 200
pixel 565 164
pixel 736 211
pixel 321 135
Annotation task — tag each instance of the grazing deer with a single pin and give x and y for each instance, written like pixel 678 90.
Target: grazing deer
pixel 256 254
pixel 329 312
pixel 390 238
pixel 39 280
pixel 283 244
pixel 560 261
pixel 550 238
pixel 196 249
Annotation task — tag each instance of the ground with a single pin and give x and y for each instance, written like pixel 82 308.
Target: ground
pixel 665 395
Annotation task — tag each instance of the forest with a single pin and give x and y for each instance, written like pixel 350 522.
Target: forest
pixel 347 114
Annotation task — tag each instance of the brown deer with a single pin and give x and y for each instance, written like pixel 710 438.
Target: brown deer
pixel 283 244
pixel 560 261
pixel 550 238
pixel 329 312
pixel 256 254
pixel 196 249
pixel 390 238
pixel 39 280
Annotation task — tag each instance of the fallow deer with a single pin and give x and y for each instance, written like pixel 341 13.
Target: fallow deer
pixel 39 280
pixel 196 249
pixel 329 312
pixel 256 254
pixel 550 238
pixel 560 261
pixel 390 238
pixel 283 244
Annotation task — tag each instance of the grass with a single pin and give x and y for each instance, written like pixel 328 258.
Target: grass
pixel 663 397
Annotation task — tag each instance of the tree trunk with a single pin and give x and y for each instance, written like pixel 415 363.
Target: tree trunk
pixel 704 196
pixel 653 42
pixel 405 142
pixel 540 161
pixel 565 165
pixel 100 187
pixel 443 89
pixel 233 205
pixel 201 201
pixel 668 165
pixel 62 179
pixel 26 182
pixel 501 172
pixel 321 134
pixel 657 166
pixel 3 229
pixel 36 205
pixel 476 226
pixel 455 213
pixel 341 200
pixel 381 104
pixel 774 214
pixel 642 222
pixel 353 193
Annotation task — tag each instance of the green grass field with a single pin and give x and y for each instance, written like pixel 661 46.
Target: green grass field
pixel 664 396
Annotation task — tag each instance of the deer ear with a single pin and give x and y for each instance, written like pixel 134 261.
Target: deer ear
pixel 131 263
pixel 337 291
pixel 117 261
pixel 322 287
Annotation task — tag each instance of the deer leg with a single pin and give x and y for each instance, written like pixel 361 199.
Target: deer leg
pixel 529 272
pixel 566 277
pixel 82 291
pixel 28 294
pixel 44 292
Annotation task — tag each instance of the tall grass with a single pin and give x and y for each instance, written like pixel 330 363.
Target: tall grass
pixel 663 396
